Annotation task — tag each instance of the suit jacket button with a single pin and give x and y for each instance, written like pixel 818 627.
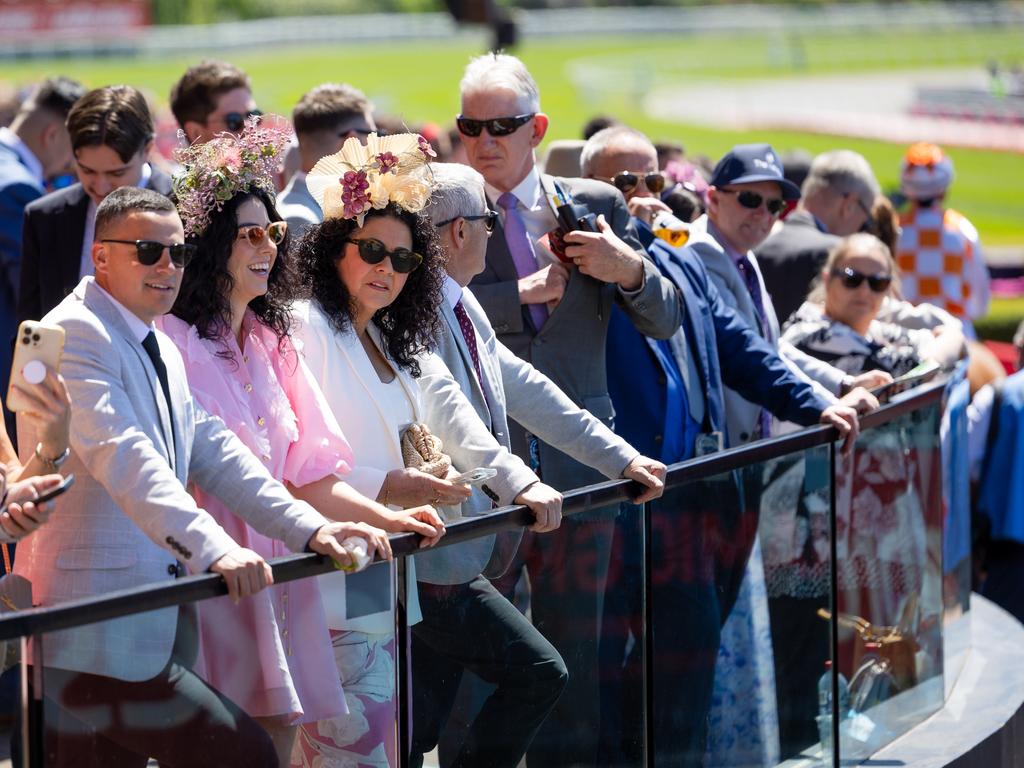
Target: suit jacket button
pixel 744 436
pixel 172 569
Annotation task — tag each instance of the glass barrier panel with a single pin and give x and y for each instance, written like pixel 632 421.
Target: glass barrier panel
pixel 889 525
pixel 622 658
pixel 736 652
pixel 270 680
pixel 956 541
pixel 547 658
pixel 795 545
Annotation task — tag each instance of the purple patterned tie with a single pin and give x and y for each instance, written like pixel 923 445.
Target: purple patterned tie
pixel 520 246
pixel 469 334
pixel 754 287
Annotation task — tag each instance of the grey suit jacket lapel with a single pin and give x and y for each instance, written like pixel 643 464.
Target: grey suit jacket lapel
pixel 100 305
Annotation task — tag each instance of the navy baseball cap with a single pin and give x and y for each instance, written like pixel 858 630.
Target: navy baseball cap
pixel 747 163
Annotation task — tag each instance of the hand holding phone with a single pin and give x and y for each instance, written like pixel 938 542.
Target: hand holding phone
pixel 37 348
pixel 476 476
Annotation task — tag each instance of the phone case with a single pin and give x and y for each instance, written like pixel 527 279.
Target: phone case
pixel 35 341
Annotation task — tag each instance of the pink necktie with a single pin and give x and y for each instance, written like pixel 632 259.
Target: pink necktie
pixel 521 248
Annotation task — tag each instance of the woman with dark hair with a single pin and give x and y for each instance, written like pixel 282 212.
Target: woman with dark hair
pixel 373 272
pixel 271 653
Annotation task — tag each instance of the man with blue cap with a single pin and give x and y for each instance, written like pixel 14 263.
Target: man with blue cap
pixel 748 193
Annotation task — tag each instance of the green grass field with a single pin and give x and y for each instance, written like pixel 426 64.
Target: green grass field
pixel 419 82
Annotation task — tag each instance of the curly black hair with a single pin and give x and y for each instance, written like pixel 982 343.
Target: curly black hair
pixel 203 300
pixel 412 321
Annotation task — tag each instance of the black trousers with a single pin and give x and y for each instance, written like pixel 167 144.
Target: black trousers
pixel 701 537
pixel 567 571
pixel 472 627
pixel 93 721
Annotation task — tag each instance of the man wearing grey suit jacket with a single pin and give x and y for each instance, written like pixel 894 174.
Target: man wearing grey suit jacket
pixel 499 385
pixel 554 314
pixel 137 438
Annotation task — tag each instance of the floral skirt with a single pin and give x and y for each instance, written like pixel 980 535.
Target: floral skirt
pixel 366 737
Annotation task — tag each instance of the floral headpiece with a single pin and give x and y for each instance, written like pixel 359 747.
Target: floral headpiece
pixel 216 170
pixel 388 169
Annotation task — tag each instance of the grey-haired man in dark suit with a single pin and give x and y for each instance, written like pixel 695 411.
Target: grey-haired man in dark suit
pixel 553 313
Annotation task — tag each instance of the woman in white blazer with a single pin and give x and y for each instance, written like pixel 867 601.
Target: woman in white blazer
pixel 375 292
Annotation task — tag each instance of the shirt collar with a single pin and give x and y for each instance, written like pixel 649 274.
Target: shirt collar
pixel 145 175
pixel 716 235
pixel 528 191
pixel 28 159
pixel 138 328
pixel 452 291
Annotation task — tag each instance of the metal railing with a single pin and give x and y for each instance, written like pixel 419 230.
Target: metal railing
pixel 31 625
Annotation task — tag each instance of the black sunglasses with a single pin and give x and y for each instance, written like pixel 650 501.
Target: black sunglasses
pixel 498 126
pixel 148 252
pixel 490 219
pixel 373 252
pixel 851 278
pixel 626 182
pixel 235 121
pixel 753 200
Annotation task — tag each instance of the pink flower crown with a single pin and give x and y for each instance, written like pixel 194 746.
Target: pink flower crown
pixel 387 169
pixel 215 171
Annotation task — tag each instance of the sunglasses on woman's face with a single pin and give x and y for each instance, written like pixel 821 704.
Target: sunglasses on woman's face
pixel 373 252
pixel 148 252
pixel 851 278
pixel 257 235
pixel 498 126
pixel 626 182
pixel 235 121
pixel 752 200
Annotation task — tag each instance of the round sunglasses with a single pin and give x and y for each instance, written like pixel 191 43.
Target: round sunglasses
pixel 373 252
pixel 627 181
pixel 851 278
pixel 498 126
pixel 752 200
pixel 148 252
pixel 257 235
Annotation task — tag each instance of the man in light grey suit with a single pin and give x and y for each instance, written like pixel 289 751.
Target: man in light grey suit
pixel 554 314
pixel 323 118
pixel 747 194
pixel 499 385
pixel 137 438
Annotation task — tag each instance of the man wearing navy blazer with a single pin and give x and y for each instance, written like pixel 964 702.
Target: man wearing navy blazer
pixel 111 134
pixel 670 398
pixel 554 313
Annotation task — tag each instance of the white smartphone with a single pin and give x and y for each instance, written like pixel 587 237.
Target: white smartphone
pixel 38 348
pixel 475 476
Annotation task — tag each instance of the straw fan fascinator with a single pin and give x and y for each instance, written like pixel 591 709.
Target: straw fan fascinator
pixel 387 169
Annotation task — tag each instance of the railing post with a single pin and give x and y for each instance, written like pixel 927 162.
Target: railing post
pixel 402 665
pixel 834 600
pixel 648 629
pixel 33 727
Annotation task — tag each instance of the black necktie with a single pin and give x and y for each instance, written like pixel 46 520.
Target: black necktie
pixel 153 350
